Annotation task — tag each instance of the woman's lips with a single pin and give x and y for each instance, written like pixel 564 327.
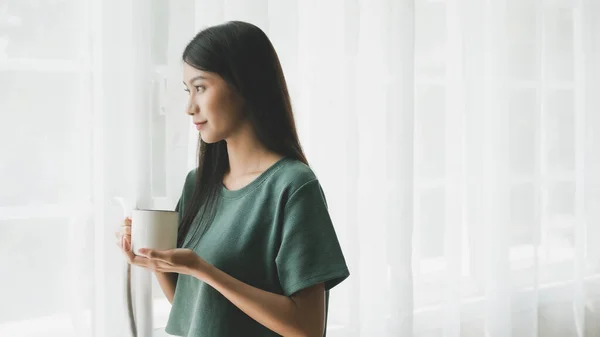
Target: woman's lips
pixel 199 125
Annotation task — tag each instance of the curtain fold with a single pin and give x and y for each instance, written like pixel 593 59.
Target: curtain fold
pixel 400 130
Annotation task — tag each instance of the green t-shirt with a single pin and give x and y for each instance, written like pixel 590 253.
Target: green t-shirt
pixel 274 234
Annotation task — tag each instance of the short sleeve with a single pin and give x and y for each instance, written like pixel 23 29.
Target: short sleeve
pixel 310 252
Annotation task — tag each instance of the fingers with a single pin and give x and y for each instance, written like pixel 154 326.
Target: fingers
pixel 137 260
pixel 126 249
pixel 158 261
pixel 119 236
pixel 155 254
pixel 158 266
pixel 124 244
pixel 126 226
pixel 154 265
pixel 154 260
pixel 124 232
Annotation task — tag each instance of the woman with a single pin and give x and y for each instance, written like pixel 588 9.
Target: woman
pixel 258 253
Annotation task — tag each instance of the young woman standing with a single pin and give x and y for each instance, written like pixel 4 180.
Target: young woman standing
pixel 257 252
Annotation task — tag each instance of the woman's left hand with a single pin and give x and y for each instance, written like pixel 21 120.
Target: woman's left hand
pixel 180 260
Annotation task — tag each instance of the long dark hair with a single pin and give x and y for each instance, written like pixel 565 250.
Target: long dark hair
pixel 243 56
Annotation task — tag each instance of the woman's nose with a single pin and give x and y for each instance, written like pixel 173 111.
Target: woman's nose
pixel 192 108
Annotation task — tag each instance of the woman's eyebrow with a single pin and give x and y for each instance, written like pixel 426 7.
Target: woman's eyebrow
pixel 199 77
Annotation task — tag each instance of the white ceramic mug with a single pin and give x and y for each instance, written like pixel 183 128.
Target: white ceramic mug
pixel 153 229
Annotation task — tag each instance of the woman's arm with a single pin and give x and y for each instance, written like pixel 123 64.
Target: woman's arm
pixel 167 282
pixel 302 314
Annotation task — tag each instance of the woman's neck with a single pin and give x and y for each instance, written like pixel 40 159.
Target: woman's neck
pixel 247 155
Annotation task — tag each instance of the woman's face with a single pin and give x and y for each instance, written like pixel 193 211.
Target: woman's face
pixel 216 109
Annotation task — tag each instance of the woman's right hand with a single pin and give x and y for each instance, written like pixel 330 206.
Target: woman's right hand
pixel 123 238
pixel 123 241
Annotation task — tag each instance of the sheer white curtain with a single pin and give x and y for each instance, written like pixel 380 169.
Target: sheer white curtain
pixel 46 215
pixel 84 117
pixel 457 142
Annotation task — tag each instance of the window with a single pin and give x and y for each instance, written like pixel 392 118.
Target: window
pixel 45 200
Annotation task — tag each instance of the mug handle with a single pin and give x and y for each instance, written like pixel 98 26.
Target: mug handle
pixel 126 205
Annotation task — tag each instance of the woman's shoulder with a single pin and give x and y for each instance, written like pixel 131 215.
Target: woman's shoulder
pixel 289 174
pixel 190 180
pixel 293 175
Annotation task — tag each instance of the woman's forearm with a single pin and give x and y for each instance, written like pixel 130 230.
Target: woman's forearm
pixel 167 282
pixel 303 315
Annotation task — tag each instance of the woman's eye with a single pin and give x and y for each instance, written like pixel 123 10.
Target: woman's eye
pixel 186 90
pixel 200 88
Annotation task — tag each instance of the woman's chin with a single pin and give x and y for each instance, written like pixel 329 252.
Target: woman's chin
pixel 208 139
